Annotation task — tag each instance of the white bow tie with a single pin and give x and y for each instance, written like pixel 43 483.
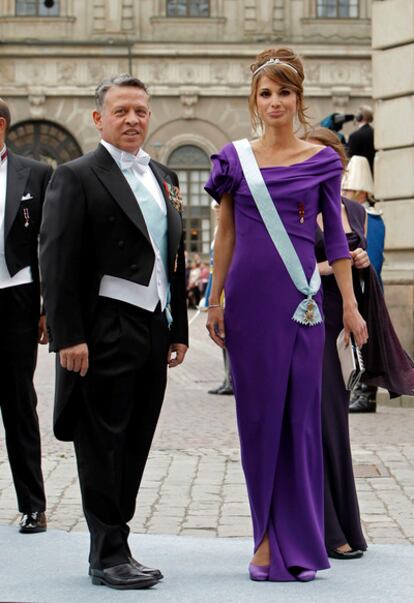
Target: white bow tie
pixel 138 162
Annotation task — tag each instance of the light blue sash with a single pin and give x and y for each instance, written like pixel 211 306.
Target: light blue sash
pixel 307 313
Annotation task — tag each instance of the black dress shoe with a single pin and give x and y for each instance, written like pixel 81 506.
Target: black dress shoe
pixel 32 523
pixel 149 571
pixel 362 404
pixel 122 577
pixel 354 554
pixel 216 390
pixel 223 390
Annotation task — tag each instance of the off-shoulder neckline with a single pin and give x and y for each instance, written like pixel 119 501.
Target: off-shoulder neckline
pixel 298 163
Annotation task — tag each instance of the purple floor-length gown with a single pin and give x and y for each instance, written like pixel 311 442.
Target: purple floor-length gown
pixel 276 362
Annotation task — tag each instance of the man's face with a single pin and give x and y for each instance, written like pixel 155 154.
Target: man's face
pixel 124 119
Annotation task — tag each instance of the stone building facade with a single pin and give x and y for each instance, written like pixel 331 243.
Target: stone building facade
pixel 393 90
pixel 193 54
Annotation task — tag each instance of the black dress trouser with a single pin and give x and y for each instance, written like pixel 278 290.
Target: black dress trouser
pixel 19 309
pixel 122 397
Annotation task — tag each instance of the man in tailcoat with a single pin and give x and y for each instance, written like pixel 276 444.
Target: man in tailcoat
pixel 361 141
pixel 112 262
pixel 23 184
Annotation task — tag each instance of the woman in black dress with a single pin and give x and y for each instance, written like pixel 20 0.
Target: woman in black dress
pixel 343 534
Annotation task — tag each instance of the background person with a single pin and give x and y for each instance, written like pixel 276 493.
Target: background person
pixel 358 185
pixel 23 184
pixel 361 141
pixel 226 387
pixel 344 538
pixel 271 328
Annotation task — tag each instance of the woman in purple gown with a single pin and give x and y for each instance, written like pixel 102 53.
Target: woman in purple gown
pixel 277 362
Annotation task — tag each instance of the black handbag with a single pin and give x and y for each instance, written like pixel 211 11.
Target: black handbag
pixel 350 358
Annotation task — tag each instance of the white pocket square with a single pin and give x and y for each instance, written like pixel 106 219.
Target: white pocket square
pixel 27 197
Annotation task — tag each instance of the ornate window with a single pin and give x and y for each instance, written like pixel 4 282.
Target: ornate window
pixel 193 168
pixel 37 8
pixel 188 8
pixel 44 141
pixel 337 9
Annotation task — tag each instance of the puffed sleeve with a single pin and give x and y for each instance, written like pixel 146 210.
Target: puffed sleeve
pixel 336 243
pixel 225 173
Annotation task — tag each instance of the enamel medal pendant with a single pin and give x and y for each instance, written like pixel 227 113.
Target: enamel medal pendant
pixel 26 217
pixel 301 212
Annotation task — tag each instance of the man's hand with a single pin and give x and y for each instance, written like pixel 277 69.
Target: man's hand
pixel 360 258
pixel 42 336
pixel 75 358
pixel 176 354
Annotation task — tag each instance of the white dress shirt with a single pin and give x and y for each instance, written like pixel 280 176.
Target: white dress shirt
pixel 24 276
pixel 146 297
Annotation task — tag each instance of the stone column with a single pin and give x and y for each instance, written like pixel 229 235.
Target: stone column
pixel 393 91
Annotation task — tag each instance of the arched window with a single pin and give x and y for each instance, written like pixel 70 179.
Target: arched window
pixel 193 168
pixel 44 141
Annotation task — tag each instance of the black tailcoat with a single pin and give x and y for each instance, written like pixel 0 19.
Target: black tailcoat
pixel 20 308
pixel 361 142
pixel 92 226
pixel 27 180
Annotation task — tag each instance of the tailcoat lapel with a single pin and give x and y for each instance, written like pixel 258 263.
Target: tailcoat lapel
pixel 17 176
pixel 173 217
pixel 115 182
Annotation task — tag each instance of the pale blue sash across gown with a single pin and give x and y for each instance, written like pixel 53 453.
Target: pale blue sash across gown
pixel 307 312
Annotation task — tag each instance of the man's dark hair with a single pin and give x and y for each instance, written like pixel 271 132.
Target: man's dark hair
pixel 124 79
pixel 5 113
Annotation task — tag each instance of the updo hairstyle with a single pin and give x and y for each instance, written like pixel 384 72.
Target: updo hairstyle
pixel 282 75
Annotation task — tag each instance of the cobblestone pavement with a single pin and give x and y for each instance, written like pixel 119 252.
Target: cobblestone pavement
pixel 193 484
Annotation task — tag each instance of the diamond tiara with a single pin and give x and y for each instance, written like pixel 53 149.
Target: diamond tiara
pixel 274 62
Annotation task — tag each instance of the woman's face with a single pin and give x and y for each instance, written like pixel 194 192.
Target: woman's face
pixel 276 104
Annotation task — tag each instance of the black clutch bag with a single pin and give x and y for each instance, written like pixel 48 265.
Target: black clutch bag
pixel 350 358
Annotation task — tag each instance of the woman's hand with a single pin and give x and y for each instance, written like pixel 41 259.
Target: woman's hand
pixel 360 258
pixel 325 269
pixel 355 324
pixel 215 325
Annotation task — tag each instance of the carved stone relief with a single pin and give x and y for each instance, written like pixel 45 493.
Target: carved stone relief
pixel 189 100
pixel 340 97
pixel 66 73
pixel 170 73
pixel 37 105
pixel 312 73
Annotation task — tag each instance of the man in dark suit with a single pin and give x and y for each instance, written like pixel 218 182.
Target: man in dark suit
pixel 112 263
pixel 22 187
pixel 361 141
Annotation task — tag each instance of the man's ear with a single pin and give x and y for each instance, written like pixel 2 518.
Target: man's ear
pixel 97 119
pixel 3 126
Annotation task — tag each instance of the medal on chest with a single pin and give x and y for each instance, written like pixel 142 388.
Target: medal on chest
pixel 301 212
